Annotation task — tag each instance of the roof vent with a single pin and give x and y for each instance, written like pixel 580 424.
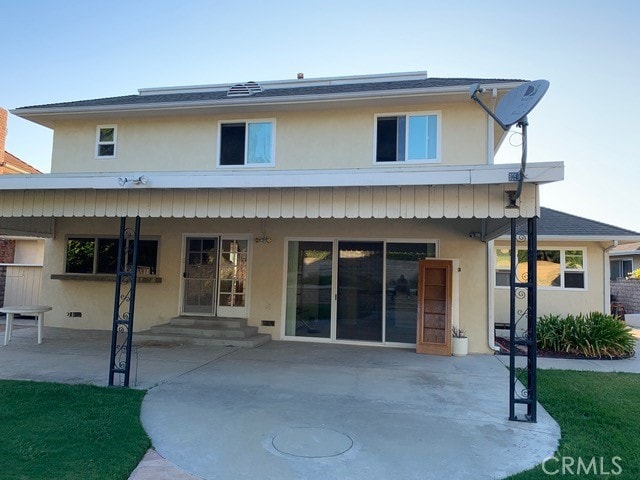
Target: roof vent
pixel 244 89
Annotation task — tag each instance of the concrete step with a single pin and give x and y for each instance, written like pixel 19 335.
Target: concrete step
pixel 209 321
pixel 141 338
pixel 207 331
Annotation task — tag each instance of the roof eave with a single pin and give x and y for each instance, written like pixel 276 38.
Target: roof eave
pixel 538 173
pixel 47 115
pixel 584 238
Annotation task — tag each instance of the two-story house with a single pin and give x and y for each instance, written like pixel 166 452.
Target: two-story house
pixel 302 206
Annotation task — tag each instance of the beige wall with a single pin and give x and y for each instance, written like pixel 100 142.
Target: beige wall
pixel 157 303
pixel 563 301
pixel 29 252
pixel 317 139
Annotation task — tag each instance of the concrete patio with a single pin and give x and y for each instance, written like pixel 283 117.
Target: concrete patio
pixel 302 410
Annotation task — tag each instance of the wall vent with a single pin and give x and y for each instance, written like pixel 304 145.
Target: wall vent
pixel 244 89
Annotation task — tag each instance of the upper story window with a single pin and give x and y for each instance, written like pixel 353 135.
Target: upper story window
pixel 249 143
pixel 411 137
pixel 106 137
pixel 557 268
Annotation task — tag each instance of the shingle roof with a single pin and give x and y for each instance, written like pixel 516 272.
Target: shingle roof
pixel 556 223
pixel 332 89
pixel 626 247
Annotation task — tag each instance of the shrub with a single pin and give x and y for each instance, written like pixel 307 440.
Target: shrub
pixel 595 335
pixel 634 274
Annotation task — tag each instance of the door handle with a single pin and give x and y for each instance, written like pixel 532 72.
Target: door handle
pixel 184 274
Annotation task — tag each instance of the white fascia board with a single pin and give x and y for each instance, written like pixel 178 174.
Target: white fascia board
pixel 369 177
pixel 625 253
pixel 583 238
pixel 290 83
pixel 46 115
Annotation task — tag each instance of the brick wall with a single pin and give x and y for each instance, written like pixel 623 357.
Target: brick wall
pixel 627 292
pixel 3 132
pixel 7 251
pixel 3 280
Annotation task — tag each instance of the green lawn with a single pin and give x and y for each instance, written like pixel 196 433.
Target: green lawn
pixel 599 414
pixel 64 432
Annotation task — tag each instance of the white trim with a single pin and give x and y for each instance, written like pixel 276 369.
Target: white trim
pixel 411 175
pixel 220 237
pixel 99 143
pixel 21 264
pixel 247 122
pixel 183 266
pixel 232 311
pixel 47 116
pixel 334 288
pixel 406 160
pixel 563 270
pixel 630 253
pixel 291 83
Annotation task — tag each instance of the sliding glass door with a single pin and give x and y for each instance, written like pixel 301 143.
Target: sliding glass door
pixel 353 290
pixel 309 281
pixel 359 299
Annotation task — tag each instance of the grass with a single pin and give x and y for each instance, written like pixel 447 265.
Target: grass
pixel 65 432
pixel 599 417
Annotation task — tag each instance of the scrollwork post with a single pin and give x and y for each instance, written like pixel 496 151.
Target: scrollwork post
pixel 124 302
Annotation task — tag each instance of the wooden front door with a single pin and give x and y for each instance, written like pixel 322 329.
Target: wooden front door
pixel 434 307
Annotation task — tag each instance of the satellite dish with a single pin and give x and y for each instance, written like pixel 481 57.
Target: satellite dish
pixel 517 103
pixel 514 108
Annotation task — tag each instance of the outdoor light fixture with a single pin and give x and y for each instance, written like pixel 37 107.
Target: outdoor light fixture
pixel 263 238
pixel 141 180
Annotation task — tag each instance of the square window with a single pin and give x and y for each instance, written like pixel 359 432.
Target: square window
pixel 555 268
pixel 247 143
pixel 106 137
pixel 412 137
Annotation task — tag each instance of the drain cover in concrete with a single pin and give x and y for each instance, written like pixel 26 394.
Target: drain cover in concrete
pixel 312 442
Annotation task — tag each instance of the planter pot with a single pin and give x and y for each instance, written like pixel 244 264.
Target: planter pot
pixel 460 346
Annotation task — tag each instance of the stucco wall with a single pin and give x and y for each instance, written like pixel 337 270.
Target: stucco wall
pixel 313 139
pixel 157 303
pixel 562 301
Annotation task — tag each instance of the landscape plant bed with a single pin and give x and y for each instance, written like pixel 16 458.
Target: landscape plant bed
pixel 503 343
pixel 594 335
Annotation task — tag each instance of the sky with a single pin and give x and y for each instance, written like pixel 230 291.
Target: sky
pixel 56 51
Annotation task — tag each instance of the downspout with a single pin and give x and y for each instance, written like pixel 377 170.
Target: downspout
pixel 490 129
pixel 491 304
pixel 607 277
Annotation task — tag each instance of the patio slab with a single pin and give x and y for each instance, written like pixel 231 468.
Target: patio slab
pixel 291 410
pixel 391 414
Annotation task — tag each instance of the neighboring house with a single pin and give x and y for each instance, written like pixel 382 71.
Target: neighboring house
pixel 21 258
pixel 624 258
pixel 302 206
pixel 573 264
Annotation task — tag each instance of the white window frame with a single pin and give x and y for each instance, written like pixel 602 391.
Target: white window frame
pixel 247 122
pixel 621 260
pixel 563 268
pixel 114 142
pixel 334 287
pixel 406 160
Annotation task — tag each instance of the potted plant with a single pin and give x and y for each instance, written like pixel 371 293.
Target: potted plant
pixel 460 344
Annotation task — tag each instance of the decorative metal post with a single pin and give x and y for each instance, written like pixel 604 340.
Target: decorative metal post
pixel 519 289
pixel 124 301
